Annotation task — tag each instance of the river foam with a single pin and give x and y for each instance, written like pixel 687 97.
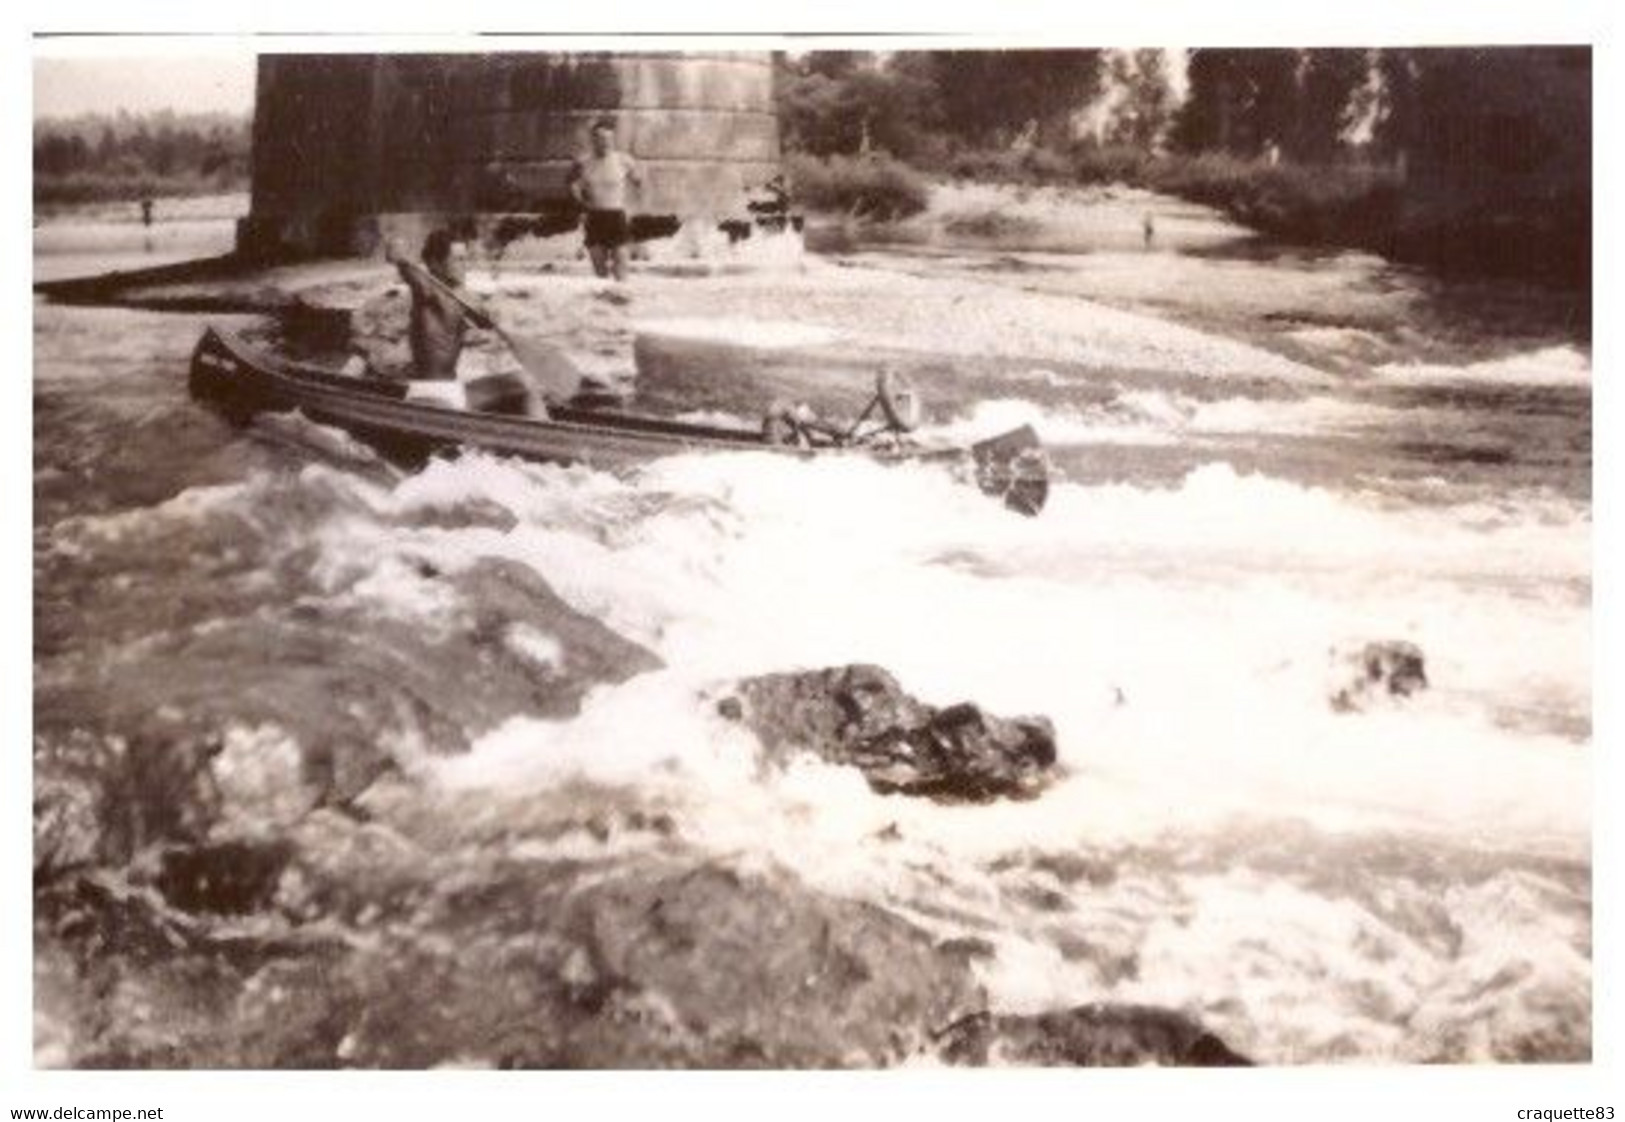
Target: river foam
pixel 1180 638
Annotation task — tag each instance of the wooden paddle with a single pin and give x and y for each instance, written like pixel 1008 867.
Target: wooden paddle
pixel 550 368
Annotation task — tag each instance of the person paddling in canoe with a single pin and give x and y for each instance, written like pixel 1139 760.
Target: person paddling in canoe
pixel 439 320
pixel 441 312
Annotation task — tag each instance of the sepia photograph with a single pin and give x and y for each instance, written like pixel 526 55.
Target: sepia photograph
pixel 771 554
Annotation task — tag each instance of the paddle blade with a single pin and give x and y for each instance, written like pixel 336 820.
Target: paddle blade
pixel 551 371
pixel 1012 467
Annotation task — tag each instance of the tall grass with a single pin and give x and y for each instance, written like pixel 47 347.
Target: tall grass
pixel 1310 203
pixel 873 187
pixel 1337 204
pixel 1313 203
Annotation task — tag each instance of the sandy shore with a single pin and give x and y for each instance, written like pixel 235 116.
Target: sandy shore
pixel 869 308
pixel 868 303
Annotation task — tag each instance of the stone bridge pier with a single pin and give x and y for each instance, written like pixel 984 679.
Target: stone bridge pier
pixel 352 149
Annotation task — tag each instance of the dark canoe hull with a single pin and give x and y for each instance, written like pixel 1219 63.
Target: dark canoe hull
pixel 240 381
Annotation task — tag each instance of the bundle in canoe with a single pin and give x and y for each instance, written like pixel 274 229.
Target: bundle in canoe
pixel 240 380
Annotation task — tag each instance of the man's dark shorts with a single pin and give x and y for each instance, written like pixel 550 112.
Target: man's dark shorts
pixel 607 228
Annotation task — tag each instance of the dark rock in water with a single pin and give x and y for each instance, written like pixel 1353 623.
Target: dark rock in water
pixel 235 877
pixel 761 970
pixel 1373 671
pixel 969 948
pixel 513 965
pixel 99 800
pixel 1088 1036
pixel 649 227
pixel 1068 868
pixel 547 221
pixel 502 594
pixel 860 716
pixel 67 820
pixel 694 966
pixel 126 762
pixel 389 954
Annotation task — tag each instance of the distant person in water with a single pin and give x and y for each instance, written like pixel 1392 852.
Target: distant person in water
pixel 146 212
pixel 1149 225
pixel 438 321
pixel 601 182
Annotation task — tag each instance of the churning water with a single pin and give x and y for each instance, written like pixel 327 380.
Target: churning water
pixel 1410 882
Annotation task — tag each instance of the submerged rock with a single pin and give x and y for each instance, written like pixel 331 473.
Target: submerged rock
pixel 232 877
pixel 100 800
pixel 214 735
pixel 1096 1035
pixel 694 966
pixel 516 965
pixel 350 944
pixel 655 966
pixel 860 716
pixel 1368 673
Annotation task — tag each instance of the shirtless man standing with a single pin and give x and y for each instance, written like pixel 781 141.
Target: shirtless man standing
pixel 600 181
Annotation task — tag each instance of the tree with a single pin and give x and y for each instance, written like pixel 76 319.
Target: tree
pixel 1395 113
pixel 817 112
pixel 838 65
pixel 165 151
pixel 830 106
pixel 1147 105
pixel 908 120
pixel 990 96
pixel 1246 100
pixel 1241 100
pixel 1486 109
pixel 1206 120
pixel 123 152
pixel 1327 81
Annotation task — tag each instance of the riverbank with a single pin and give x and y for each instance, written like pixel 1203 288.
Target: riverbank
pixel 1541 238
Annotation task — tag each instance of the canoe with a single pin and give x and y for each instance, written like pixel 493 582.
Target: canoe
pixel 240 380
